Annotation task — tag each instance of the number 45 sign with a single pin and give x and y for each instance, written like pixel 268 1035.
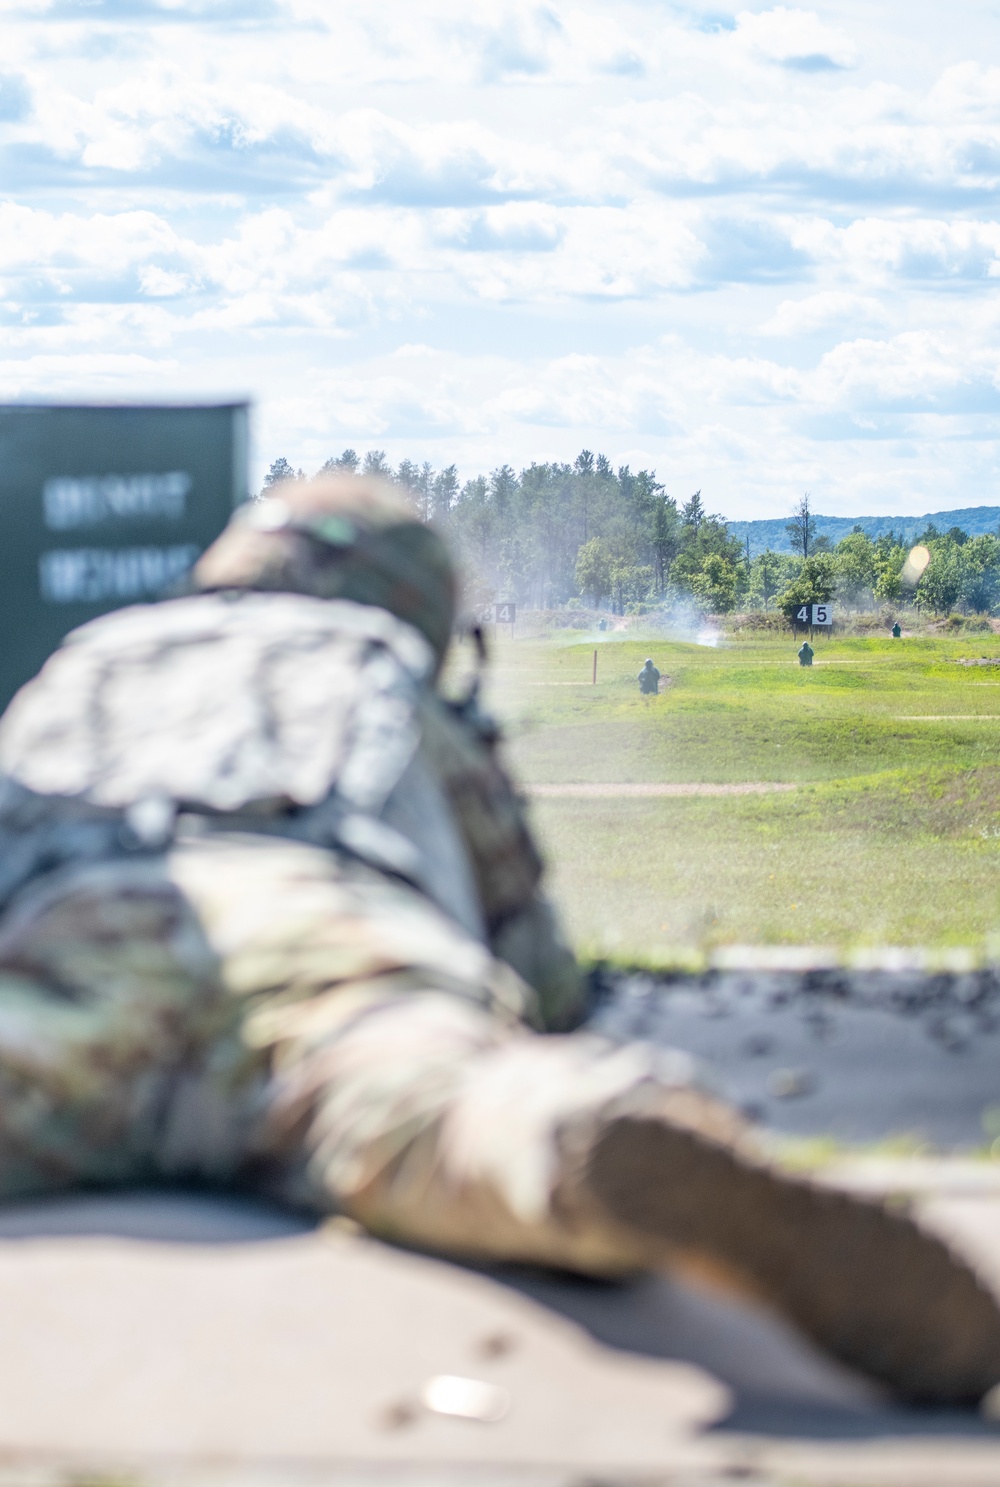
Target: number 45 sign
pixel 814 614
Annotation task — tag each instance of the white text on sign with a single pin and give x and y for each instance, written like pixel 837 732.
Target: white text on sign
pixel 85 501
pixel 506 614
pixel 90 575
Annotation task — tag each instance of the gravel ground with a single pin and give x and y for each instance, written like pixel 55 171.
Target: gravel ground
pixel 860 1056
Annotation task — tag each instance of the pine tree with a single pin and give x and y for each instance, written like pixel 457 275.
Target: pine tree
pixel 345 464
pixel 802 528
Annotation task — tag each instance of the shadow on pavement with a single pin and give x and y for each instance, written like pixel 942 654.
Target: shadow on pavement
pixel 783 1386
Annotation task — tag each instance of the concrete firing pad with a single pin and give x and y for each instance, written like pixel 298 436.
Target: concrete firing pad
pixel 152 1340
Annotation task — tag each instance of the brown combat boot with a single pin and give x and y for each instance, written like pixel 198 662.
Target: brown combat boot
pixel 866 1283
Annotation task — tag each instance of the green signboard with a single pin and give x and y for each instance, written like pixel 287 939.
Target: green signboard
pixel 102 507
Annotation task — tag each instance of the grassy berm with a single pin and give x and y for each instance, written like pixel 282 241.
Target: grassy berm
pixel 891 835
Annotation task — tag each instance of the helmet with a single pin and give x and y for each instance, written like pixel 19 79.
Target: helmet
pixel 649 661
pixel 338 537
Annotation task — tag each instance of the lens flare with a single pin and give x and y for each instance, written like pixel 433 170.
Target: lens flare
pixel 916 562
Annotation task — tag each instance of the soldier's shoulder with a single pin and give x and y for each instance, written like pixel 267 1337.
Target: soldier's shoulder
pixel 270 617
pixel 211 700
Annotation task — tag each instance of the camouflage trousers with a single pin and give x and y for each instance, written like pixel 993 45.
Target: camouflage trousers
pixel 251 1011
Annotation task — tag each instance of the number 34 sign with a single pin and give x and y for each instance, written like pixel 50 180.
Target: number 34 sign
pixel 814 614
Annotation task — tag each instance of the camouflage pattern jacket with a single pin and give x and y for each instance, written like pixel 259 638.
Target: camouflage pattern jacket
pixel 276 713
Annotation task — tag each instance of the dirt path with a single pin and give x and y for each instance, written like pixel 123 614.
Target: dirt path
pixel 611 791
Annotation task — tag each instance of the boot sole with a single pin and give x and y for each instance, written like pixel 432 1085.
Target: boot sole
pixel 867 1284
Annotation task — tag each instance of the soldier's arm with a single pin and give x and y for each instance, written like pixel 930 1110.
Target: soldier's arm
pixel 522 927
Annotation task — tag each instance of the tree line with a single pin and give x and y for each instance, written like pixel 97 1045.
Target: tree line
pixel 555 534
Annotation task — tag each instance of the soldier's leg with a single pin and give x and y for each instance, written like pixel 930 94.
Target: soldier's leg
pixel 407 1095
pixel 111 1013
pixel 429 1124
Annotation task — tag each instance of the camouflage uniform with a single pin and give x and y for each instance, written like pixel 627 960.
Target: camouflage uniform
pixel 238 833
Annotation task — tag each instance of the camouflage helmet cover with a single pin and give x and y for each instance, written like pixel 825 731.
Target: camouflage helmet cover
pixel 338 537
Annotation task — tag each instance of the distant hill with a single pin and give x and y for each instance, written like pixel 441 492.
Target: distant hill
pixel 771 533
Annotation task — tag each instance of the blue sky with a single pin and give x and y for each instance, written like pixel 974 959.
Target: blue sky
pixel 755 249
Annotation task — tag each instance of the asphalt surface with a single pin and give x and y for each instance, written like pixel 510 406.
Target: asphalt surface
pixel 859 1056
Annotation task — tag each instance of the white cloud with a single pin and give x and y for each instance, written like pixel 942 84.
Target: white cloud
pixel 818 312
pixel 746 430
pixel 31 238
pixel 913 369
pixel 752 255
pixel 160 283
pixel 795 38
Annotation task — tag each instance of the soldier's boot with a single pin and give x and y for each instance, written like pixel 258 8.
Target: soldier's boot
pixel 432 1123
pixel 865 1282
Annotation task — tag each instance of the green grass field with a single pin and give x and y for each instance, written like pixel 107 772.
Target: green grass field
pixel 891 836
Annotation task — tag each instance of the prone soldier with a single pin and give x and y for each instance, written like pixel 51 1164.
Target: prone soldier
pixel 271 917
